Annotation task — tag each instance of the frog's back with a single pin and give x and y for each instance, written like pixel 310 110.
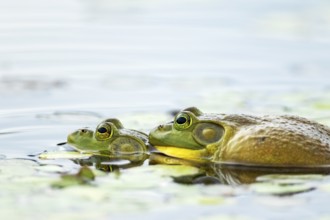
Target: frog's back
pixel 276 141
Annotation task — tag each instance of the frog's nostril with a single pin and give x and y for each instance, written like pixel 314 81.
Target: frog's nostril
pixel 160 127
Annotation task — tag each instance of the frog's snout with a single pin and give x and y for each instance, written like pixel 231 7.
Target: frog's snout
pixel 164 127
pixel 159 128
pixel 70 138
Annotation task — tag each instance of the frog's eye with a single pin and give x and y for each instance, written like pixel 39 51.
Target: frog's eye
pixel 182 121
pixel 103 131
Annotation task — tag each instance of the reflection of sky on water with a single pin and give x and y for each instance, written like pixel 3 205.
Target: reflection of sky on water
pixel 160 53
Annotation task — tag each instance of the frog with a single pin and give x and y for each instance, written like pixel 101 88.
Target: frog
pixel 109 137
pixel 241 139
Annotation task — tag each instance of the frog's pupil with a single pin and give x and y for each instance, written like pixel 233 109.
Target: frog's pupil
pixel 102 130
pixel 181 120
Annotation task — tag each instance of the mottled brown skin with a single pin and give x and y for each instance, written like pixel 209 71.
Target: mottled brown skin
pixel 274 140
pixel 248 140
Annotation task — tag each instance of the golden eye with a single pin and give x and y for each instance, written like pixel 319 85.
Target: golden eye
pixel 182 121
pixel 103 132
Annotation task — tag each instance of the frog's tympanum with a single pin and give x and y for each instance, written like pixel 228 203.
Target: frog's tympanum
pixel 110 136
pixel 243 139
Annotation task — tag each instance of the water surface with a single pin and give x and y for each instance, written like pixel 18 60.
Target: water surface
pixel 70 64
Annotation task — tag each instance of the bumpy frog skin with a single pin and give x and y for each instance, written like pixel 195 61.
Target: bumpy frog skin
pixel 109 136
pixel 243 139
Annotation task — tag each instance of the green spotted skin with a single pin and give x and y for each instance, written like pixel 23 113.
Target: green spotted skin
pixel 109 137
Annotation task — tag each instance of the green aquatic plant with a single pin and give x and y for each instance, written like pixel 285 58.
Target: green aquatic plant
pixel 84 177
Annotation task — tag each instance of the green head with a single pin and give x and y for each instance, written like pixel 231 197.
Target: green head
pixel 188 136
pixel 109 136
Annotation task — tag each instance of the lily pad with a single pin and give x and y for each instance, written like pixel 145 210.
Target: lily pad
pixel 280 189
pixel 63 155
pixel 52 168
pixel 322 105
pixel 165 170
pixel 83 177
pixel 204 200
pixel 278 202
pixel 290 179
pixel 285 184
pixel 16 167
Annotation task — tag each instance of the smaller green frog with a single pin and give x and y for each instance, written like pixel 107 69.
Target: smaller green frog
pixel 110 137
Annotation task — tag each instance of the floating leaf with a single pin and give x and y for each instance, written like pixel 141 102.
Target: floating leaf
pixel 280 189
pixel 290 179
pixel 285 184
pixel 63 155
pixel 207 200
pixel 173 170
pixel 322 105
pixel 17 167
pixel 84 176
pixel 285 202
pixel 325 187
pixel 51 168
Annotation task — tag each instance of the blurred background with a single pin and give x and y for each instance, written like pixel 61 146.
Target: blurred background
pixel 143 52
pixel 69 63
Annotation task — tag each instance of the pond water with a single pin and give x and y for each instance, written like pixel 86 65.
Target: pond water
pixel 70 64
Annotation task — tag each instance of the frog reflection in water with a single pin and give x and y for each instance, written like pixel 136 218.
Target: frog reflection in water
pixel 110 137
pixel 227 174
pixel 280 141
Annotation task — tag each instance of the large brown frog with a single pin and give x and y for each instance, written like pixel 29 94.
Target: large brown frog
pixel 244 139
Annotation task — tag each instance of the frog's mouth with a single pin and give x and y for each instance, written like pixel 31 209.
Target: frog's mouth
pixel 184 153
